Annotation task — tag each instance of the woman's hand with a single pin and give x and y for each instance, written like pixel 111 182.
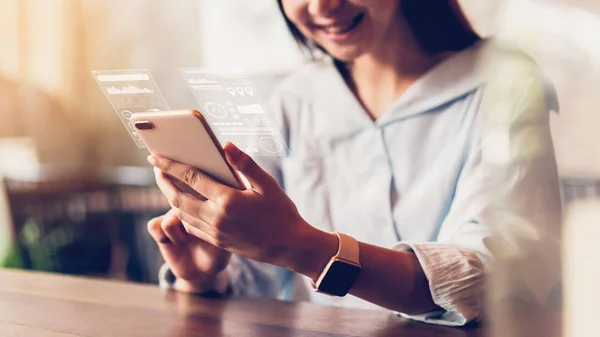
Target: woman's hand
pixel 260 223
pixel 194 262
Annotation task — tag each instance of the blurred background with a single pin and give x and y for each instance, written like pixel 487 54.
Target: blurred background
pixel 76 192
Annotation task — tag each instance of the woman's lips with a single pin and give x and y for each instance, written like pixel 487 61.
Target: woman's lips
pixel 342 30
pixel 340 26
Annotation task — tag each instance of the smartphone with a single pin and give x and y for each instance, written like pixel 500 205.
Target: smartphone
pixel 186 137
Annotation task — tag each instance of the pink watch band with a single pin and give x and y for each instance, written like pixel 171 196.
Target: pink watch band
pixel 348 253
pixel 348 248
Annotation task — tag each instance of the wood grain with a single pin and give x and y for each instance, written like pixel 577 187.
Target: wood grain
pixel 13 330
pixel 45 305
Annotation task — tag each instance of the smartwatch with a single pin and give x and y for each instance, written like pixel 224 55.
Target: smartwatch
pixel 343 269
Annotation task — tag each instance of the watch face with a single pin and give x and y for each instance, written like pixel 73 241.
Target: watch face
pixel 339 278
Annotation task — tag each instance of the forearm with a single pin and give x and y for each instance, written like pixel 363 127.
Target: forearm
pixel 389 278
pixel 394 280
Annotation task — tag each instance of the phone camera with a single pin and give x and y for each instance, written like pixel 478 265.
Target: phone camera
pixel 143 125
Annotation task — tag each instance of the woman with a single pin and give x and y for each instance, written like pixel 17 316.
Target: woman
pixel 388 147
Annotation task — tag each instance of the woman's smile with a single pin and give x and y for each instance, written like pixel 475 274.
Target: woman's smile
pixel 340 31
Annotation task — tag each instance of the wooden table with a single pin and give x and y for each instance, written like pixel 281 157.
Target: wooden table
pixel 45 305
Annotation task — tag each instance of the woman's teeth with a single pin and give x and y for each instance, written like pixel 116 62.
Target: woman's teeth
pixel 340 29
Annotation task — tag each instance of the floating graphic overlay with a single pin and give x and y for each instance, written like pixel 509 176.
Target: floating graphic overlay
pixel 235 111
pixel 130 91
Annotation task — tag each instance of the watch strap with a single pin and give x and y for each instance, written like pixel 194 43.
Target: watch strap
pixel 348 252
pixel 348 248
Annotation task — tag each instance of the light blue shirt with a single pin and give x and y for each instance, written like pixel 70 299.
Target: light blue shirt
pixel 431 175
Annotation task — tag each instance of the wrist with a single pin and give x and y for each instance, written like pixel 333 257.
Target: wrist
pixel 310 252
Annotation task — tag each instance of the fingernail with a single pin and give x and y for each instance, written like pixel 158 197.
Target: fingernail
pixel 152 160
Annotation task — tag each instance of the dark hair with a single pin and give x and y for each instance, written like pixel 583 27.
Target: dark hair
pixel 437 25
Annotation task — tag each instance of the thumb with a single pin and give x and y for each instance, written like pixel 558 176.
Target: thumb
pixel 258 178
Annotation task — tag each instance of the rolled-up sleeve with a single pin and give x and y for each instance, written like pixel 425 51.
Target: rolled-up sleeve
pixel 456 281
pixel 506 210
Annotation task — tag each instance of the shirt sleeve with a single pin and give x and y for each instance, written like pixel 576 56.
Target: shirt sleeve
pixel 506 208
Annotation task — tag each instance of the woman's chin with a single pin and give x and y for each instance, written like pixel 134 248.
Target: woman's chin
pixel 346 54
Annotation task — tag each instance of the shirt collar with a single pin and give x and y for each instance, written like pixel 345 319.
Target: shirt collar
pixel 453 78
pixel 449 80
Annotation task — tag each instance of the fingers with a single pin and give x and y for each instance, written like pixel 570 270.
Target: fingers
pixel 176 228
pixel 173 229
pixel 202 209
pixel 197 180
pixel 258 178
pixel 167 229
pixel 198 228
pixel 191 230
pixel 156 231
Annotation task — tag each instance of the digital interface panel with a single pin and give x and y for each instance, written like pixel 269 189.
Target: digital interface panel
pixel 231 104
pixel 131 91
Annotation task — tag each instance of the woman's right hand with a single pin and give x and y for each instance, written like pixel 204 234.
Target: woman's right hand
pixel 194 262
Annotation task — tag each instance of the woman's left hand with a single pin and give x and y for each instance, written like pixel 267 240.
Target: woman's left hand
pixel 260 223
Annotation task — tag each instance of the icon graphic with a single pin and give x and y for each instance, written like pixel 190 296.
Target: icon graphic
pixel 242 91
pixel 215 110
pixel 127 114
pixel 270 144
